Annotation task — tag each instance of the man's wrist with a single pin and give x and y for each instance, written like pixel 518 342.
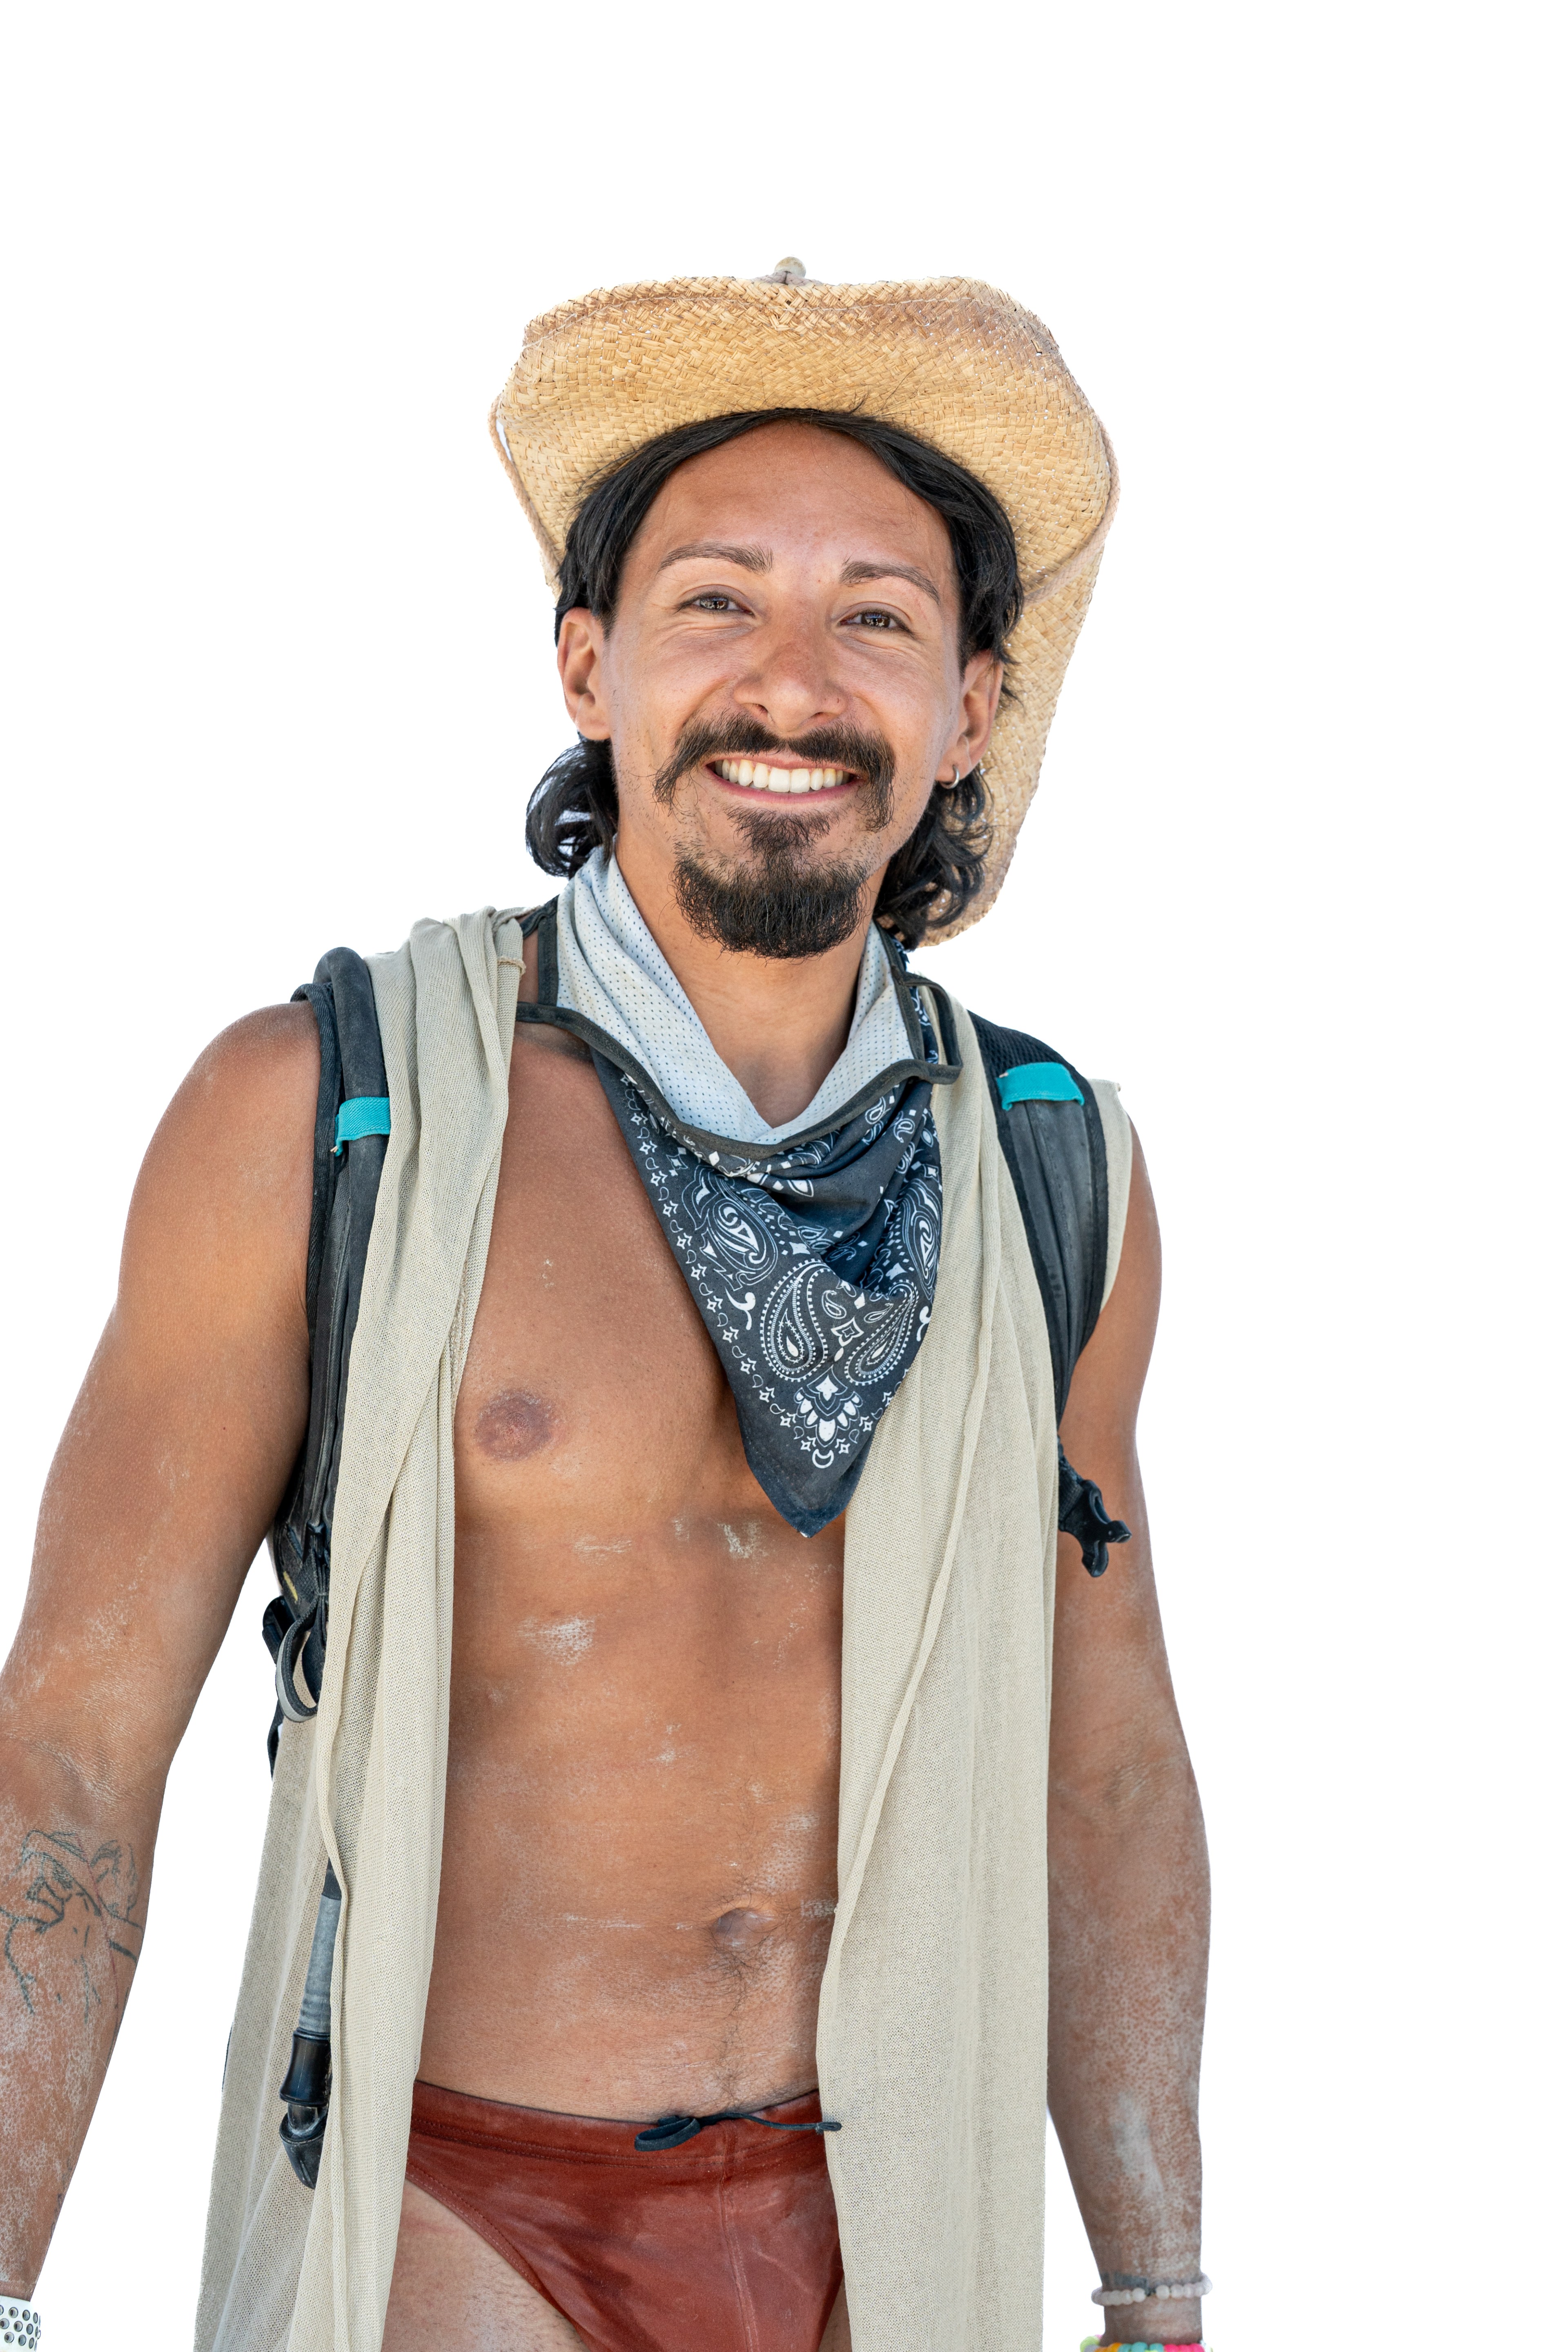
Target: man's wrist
pixel 1154 2323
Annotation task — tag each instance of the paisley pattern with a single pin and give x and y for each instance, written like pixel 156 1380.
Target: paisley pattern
pixel 814 1270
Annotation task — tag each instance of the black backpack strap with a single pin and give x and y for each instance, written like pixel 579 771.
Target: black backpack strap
pixel 1048 1123
pixel 352 1121
pixel 1055 1149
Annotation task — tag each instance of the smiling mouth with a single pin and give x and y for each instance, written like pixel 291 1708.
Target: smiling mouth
pixel 757 776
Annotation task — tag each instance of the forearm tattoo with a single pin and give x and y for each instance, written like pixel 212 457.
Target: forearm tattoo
pixel 72 1924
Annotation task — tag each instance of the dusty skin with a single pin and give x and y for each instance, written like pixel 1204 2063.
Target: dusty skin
pixel 638 1875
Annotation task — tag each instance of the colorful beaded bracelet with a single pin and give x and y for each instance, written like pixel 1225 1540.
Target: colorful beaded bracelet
pixel 1093 2344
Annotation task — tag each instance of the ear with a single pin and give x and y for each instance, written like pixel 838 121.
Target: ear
pixel 579 658
pixel 978 696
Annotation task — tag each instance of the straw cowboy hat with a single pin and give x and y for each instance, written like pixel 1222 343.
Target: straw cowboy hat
pixel 955 361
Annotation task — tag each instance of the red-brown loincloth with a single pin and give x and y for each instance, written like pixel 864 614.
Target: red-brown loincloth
pixel 729 2243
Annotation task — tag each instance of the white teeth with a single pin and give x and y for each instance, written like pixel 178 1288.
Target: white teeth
pixel 764 779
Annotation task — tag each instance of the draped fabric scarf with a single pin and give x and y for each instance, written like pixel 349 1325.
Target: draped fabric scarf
pixel 811 1251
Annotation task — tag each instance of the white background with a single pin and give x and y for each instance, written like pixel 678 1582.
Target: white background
pixel 280 676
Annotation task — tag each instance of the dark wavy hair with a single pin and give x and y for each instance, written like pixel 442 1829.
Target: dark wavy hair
pixel 574 809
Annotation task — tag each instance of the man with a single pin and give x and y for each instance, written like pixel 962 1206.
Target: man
pixel 697 1612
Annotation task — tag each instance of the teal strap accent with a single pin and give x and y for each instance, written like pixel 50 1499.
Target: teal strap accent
pixel 361 1115
pixel 1037 1082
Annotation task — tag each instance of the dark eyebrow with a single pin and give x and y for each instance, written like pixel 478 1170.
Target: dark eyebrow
pixel 751 559
pixel 853 574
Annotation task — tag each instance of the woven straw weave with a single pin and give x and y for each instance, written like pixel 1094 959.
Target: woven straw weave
pixel 953 361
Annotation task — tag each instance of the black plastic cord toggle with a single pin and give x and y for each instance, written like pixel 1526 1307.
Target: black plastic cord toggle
pixel 1081 1513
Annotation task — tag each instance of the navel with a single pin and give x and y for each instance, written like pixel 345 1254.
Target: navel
pixel 514 1424
pixel 741 1930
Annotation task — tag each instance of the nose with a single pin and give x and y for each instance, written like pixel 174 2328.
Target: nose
pixel 790 683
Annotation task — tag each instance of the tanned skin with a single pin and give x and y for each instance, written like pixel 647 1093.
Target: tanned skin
pixel 638 1874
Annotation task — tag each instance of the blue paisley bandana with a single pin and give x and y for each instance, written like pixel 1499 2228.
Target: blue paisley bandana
pixel 812 1258
pixel 814 1271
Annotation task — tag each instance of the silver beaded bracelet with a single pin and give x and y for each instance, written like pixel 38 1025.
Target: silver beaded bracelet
pixel 1154 2291
pixel 19 2323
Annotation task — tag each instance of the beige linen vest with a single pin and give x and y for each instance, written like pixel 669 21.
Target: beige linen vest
pixel 931 2034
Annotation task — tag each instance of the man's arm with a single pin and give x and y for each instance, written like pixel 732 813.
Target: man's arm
pixel 1129 1868
pixel 170 1469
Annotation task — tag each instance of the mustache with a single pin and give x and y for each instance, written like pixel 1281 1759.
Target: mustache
pixel 868 756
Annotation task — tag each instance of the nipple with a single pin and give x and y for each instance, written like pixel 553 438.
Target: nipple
pixel 514 1424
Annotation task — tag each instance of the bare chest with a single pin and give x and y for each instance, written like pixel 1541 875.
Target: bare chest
pixel 625 1593
pixel 593 1408
pixel 642 1770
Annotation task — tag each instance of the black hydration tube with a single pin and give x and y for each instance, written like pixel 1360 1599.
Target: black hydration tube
pixel 308 2085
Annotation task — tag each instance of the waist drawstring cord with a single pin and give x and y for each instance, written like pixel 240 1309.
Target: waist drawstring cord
pixel 673 2131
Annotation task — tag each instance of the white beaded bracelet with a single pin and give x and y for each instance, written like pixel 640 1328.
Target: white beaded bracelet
pixel 19 2323
pixel 1158 2290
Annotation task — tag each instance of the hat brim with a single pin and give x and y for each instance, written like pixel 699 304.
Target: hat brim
pixel 955 363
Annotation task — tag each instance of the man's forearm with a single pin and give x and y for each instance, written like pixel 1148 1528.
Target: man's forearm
pixel 74 1863
pixel 1129 1955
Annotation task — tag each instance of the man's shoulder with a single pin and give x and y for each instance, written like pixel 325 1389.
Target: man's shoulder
pixel 233 1150
pixel 278 1045
pixel 259 1074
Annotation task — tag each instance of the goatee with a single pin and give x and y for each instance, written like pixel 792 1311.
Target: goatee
pixel 779 902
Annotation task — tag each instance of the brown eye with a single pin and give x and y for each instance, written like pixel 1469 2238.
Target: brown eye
pixel 714 603
pixel 876 619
